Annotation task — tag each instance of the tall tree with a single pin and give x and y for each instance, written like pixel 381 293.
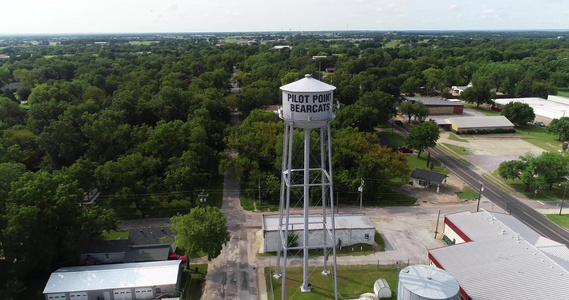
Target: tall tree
pixel 479 94
pixel 518 113
pixel 43 212
pixel 204 229
pixel 406 108
pixel 423 136
pixel 559 127
pixel 384 104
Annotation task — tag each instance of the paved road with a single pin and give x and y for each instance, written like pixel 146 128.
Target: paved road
pixel 509 203
pixel 232 275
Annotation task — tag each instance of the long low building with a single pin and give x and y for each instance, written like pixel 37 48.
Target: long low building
pixel 149 280
pixel 438 106
pixel 480 123
pixel 351 229
pixel 550 109
pixel 495 256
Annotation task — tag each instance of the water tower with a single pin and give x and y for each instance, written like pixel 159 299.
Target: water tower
pixel 307 104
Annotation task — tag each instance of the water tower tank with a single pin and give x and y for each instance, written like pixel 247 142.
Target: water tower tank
pixel 422 282
pixel 307 103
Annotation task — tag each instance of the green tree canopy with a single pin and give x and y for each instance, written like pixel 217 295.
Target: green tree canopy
pixel 479 94
pixel 423 136
pixel 536 172
pixel 518 113
pixel 559 127
pixel 204 229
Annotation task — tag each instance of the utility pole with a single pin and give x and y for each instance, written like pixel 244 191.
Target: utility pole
pixel 437 228
pixel 361 190
pixel 479 195
pixel 565 191
pixel 203 198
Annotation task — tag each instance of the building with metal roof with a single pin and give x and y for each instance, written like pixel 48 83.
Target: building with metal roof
pixel 351 229
pixel 147 280
pixel 550 109
pixel 438 106
pixel 495 256
pixel 480 123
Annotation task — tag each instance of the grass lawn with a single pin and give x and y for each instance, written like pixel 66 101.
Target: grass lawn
pixel 353 280
pixel 467 194
pixel 563 92
pixel 391 44
pixel 394 138
pixel 482 109
pixel 454 137
pixel 193 287
pixel 416 162
pixel 247 204
pixel 457 149
pixel 561 220
pixel 114 235
pixel 538 136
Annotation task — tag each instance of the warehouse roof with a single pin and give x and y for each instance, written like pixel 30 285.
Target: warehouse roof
pixel 433 101
pixel 344 221
pixel 541 107
pixel 505 259
pixel 103 277
pixel 481 122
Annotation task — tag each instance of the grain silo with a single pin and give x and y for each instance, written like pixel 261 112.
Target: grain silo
pixel 421 282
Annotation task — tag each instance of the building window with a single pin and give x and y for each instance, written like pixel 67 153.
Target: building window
pixel 366 236
pixel 157 290
pixel 106 256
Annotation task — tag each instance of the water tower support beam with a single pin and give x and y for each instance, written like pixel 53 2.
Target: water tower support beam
pixel 305 273
pixel 332 215
pixel 324 198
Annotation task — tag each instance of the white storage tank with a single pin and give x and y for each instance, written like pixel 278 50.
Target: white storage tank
pixel 421 282
pixel 381 289
pixel 308 103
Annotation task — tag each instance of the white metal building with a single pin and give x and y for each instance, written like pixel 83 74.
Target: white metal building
pixel 498 257
pixel 115 282
pixel 351 229
pixel 551 109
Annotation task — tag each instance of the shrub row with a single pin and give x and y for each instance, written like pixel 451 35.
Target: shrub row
pixel 485 131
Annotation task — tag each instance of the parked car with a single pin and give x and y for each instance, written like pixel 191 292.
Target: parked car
pixel 174 256
pixel 539 123
pixel 405 150
pixel 398 122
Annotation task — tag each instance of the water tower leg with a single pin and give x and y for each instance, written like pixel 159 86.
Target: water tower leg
pixel 287 205
pixel 332 215
pixel 304 287
pixel 277 274
pixel 324 199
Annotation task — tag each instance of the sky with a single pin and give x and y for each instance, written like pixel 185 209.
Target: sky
pixel 148 16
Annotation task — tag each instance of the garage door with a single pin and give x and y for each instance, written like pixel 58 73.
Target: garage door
pixel 78 296
pixel 56 296
pixel 122 294
pixel 143 293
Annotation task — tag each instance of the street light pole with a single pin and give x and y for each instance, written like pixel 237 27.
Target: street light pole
pixel 563 199
pixel 479 195
pixel 361 190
